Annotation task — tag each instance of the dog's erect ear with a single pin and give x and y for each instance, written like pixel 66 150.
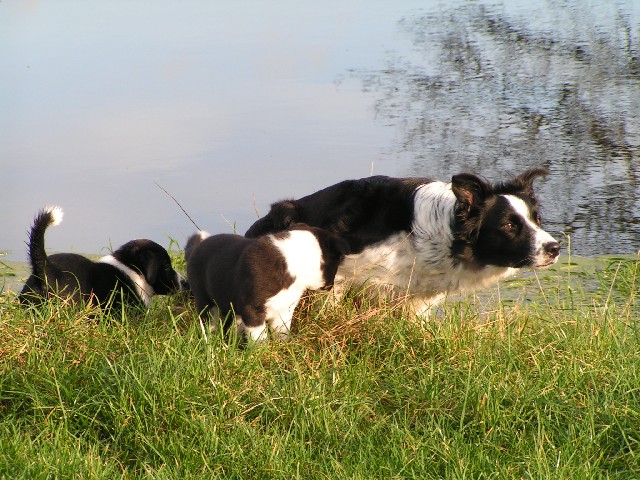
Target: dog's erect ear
pixel 525 180
pixel 469 189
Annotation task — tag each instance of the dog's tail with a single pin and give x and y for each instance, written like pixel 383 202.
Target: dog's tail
pixel 193 242
pixel 50 215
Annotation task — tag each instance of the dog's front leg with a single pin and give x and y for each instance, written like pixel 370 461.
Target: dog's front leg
pixel 281 326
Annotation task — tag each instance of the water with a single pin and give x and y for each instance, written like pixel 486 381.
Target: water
pixel 496 89
pixel 233 105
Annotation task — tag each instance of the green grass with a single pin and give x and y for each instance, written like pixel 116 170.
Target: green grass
pixel 537 379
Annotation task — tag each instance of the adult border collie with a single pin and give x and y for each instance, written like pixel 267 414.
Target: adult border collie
pixel 132 274
pixel 424 238
pixel 260 280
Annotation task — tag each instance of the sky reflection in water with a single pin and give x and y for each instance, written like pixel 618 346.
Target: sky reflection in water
pixel 233 105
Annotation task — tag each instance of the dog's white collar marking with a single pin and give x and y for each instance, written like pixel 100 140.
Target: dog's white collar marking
pixel 143 289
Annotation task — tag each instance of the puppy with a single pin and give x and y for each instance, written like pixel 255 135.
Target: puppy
pixel 423 238
pixel 260 280
pixel 131 275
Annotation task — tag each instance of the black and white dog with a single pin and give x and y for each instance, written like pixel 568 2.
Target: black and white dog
pixel 131 275
pixel 260 280
pixel 424 238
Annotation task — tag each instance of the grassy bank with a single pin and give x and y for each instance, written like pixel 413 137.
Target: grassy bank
pixel 537 379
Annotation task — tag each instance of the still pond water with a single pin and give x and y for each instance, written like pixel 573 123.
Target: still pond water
pixel 230 106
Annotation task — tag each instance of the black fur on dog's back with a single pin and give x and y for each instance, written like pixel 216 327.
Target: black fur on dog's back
pixel 362 211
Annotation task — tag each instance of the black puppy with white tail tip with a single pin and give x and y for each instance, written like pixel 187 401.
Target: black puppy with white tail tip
pixel 131 275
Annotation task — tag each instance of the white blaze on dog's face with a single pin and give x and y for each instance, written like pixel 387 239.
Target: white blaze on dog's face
pixel 545 247
pixel 510 235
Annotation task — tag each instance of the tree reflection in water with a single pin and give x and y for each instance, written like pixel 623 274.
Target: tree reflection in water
pixel 494 92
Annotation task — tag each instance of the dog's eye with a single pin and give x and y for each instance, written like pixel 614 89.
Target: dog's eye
pixel 509 227
pixel 537 218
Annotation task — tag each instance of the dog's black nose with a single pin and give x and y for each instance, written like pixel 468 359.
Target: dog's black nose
pixel 552 249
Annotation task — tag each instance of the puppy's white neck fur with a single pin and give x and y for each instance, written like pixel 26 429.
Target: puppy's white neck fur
pixel 303 256
pixel 143 289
